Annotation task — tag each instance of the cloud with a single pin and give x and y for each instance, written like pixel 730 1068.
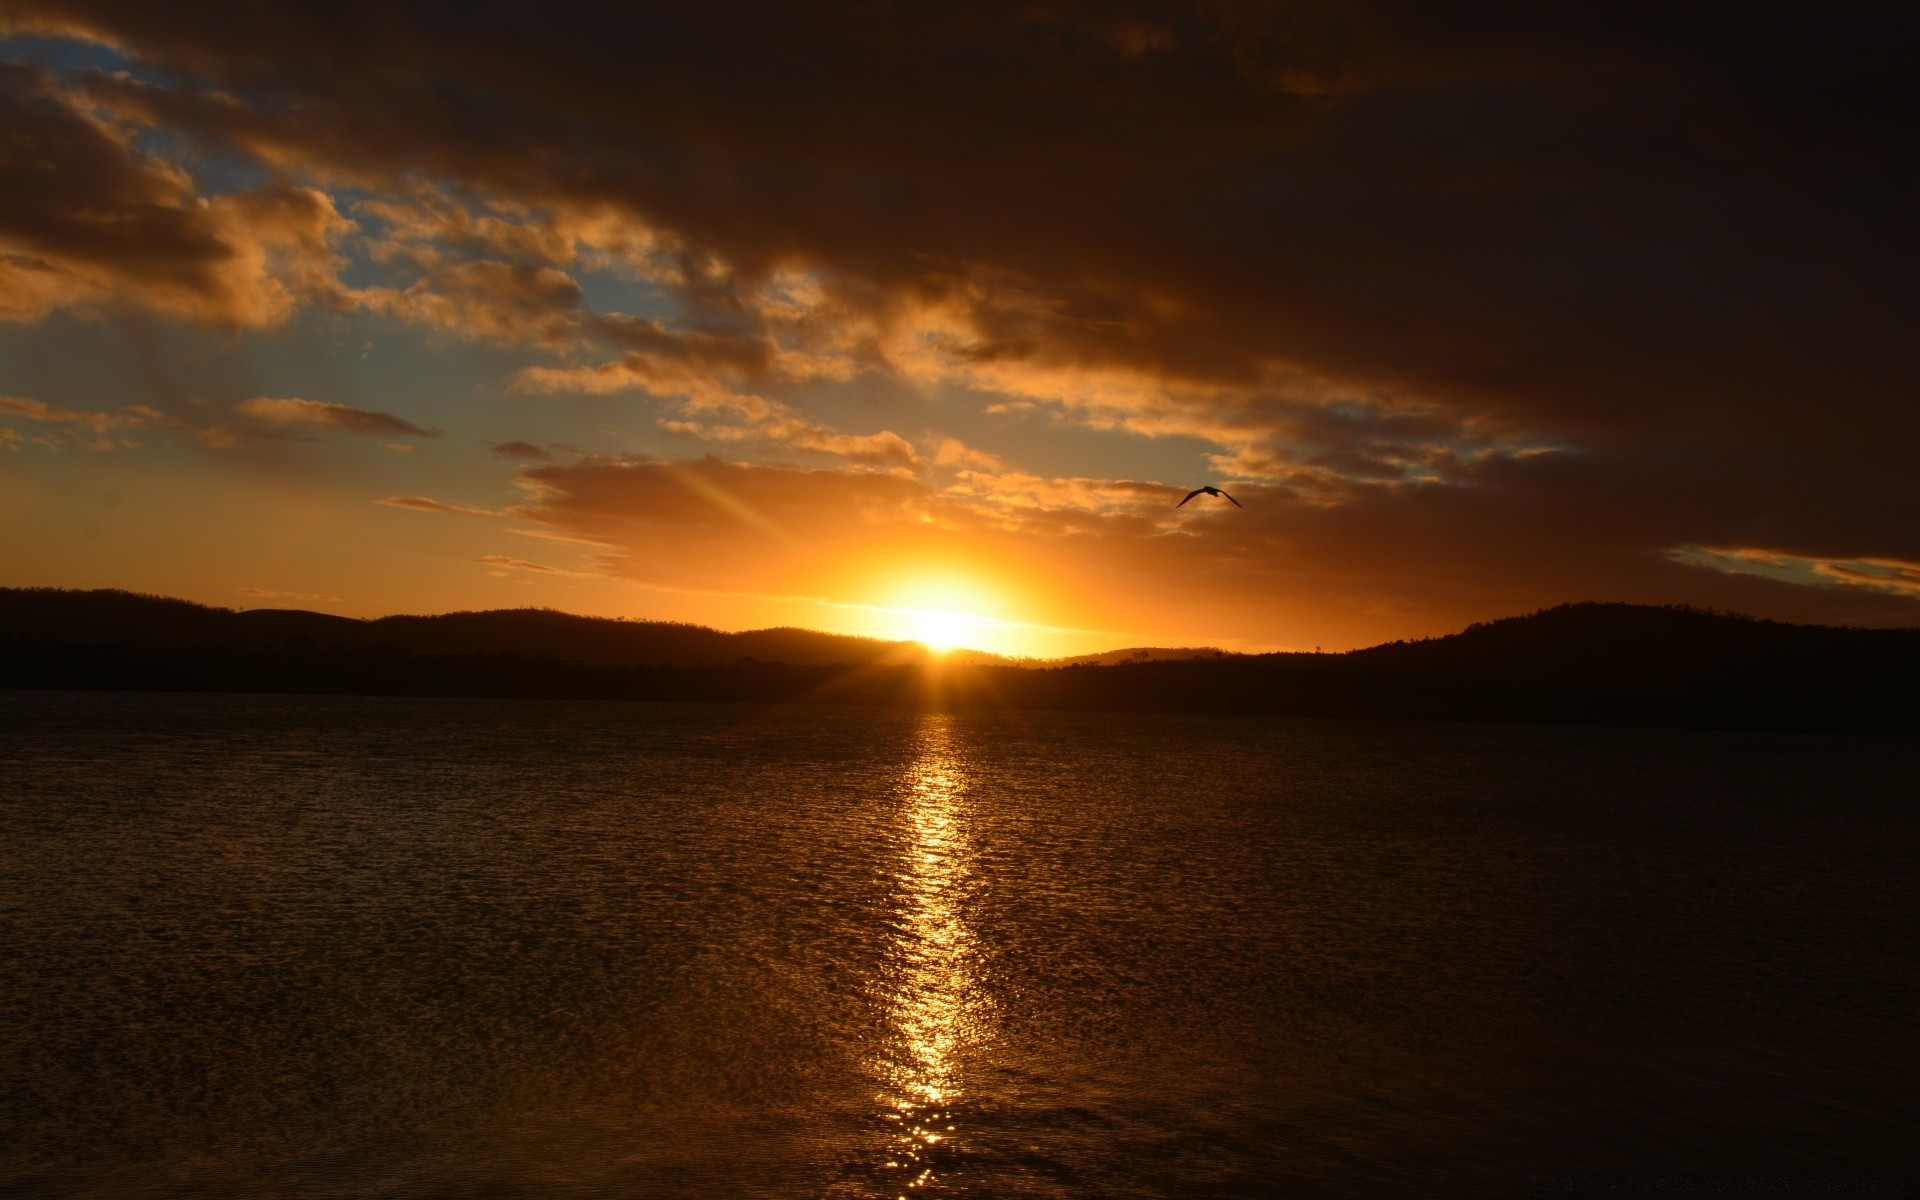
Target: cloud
pixel 90 218
pixel 503 302
pixel 952 452
pixel 1893 576
pixel 428 504
pixel 1364 191
pixel 90 430
pixel 423 224
pixel 688 370
pixel 525 451
pixel 218 437
pixel 711 523
pixel 336 418
pixel 521 564
pixel 780 425
pixel 94 422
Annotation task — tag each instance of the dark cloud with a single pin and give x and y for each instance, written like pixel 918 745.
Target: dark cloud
pixel 88 217
pixel 73 196
pixel 1500 298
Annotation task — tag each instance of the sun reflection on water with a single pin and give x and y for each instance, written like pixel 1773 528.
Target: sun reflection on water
pixel 934 1008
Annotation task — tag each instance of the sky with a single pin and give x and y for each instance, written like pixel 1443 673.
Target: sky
pixel 919 320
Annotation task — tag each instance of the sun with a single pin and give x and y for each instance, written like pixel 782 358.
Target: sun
pixel 942 612
pixel 940 630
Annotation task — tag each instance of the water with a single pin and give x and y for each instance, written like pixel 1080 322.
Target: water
pixel 332 947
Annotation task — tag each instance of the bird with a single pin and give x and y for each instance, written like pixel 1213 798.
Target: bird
pixel 1209 490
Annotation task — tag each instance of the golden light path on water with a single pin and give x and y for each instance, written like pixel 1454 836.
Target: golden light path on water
pixel 935 1010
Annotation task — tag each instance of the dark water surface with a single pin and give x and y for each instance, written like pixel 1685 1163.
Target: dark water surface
pixel 332 947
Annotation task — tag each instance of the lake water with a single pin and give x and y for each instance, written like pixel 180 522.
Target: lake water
pixel 334 947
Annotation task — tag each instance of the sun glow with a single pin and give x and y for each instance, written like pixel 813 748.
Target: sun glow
pixel 941 631
pixel 943 614
pixel 956 606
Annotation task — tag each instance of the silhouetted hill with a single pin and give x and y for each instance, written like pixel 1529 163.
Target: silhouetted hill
pixel 104 617
pixel 1585 663
pixel 1137 654
pixel 1580 663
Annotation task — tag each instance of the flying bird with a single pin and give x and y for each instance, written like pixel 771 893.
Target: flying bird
pixel 1209 491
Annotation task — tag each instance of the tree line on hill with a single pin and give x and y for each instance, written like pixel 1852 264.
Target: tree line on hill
pixel 1580 663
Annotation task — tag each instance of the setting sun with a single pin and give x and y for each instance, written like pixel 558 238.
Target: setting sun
pixel 941 631
pixel 947 612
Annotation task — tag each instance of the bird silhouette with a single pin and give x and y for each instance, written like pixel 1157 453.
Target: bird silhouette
pixel 1209 491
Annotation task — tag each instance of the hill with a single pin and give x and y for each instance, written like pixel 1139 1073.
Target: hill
pixel 1593 663
pixel 1582 663
pixel 98 618
pixel 1139 654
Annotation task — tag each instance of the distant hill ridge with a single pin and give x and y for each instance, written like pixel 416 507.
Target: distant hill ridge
pixel 1599 663
pixel 98 617
pixel 1140 654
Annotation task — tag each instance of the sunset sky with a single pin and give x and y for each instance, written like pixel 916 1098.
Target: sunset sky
pixel 771 314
